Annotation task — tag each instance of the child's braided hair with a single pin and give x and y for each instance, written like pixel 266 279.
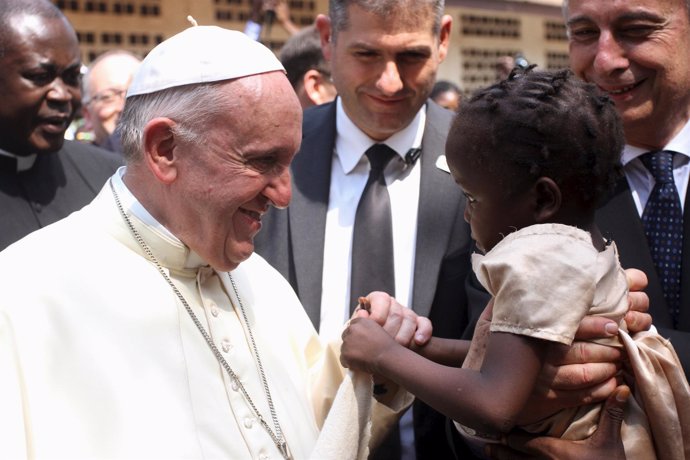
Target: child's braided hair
pixel 543 123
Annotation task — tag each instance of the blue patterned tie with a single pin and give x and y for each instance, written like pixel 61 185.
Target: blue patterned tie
pixel 663 223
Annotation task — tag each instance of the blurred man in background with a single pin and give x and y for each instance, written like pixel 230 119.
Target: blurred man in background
pixel 307 69
pixel 105 85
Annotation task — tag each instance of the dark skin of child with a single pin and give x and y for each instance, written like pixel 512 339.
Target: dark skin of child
pixel 490 400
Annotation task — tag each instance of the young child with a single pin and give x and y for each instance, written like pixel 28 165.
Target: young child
pixel 534 154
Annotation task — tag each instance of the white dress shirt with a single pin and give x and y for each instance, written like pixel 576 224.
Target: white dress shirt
pixel 641 181
pixel 349 173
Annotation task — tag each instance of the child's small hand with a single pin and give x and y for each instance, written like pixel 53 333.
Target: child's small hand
pixel 364 341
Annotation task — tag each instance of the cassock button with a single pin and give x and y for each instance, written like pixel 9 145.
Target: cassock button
pixel 248 422
pixel 37 206
pixel 215 311
pixel 226 345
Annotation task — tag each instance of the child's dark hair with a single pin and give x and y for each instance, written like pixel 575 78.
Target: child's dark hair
pixel 546 123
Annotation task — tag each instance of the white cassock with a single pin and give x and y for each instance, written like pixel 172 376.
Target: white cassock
pixel 99 359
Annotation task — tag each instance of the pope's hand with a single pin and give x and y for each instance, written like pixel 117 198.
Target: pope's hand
pixel 400 322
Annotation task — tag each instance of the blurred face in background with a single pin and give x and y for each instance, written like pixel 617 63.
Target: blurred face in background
pixel 105 86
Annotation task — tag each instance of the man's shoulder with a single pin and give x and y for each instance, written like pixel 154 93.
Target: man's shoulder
pixel 90 156
pixel 319 121
pixel 318 135
pixel 438 116
pixel 93 164
pixel 319 112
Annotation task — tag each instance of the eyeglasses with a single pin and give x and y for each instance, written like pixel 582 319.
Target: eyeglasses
pixel 107 96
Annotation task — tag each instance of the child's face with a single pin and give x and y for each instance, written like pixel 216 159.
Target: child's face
pixel 491 211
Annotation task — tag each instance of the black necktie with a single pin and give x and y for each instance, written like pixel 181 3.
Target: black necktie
pixel 663 224
pixel 372 236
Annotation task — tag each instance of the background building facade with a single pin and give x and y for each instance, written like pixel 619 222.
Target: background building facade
pixel 483 29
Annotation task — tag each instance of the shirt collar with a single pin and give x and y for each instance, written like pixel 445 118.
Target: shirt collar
pixel 351 142
pixel 131 204
pixel 24 162
pixel 680 143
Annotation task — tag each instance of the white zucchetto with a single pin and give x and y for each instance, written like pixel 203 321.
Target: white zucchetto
pixel 202 54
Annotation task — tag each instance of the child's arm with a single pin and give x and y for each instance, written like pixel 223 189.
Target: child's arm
pixel 488 400
pixel 449 352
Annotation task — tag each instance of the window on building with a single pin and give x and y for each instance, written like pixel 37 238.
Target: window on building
pixel 489 26
pixel 479 66
pixel 556 60
pixel 555 31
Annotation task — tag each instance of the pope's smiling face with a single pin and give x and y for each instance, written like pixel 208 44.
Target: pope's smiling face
pixel 226 184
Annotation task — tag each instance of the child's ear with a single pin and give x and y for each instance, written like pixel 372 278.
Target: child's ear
pixel 548 199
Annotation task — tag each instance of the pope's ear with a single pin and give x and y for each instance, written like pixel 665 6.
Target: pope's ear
pixel 159 149
pixel 547 199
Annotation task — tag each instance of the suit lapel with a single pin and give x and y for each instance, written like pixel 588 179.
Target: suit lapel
pixel 619 220
pixel 439 205
pixel 684 318
pixel 307 210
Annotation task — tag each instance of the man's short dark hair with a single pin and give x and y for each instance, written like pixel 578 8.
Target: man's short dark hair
pixel 443 86
pixel 301 53
pixel 408 9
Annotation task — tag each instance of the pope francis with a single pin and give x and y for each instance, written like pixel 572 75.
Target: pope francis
pixel 142 326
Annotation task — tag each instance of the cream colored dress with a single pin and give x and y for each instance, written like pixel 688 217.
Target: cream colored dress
pixel 99 359
pixel 544 279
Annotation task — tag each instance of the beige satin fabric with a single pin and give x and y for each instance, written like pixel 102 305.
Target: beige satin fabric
pixel 544 279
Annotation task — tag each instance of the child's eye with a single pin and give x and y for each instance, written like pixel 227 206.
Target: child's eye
pixel 470 198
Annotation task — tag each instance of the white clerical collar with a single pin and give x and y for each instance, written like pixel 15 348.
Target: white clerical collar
pixel 131 204
pixel 24 163
pixel 680 143
pixel 351 142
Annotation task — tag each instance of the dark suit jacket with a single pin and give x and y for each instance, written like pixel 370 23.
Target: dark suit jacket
pixel 292 240
pixel 56 185
pixel 619 220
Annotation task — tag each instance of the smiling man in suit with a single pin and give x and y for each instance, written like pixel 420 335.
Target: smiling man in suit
pixel 384 67
pixel 638 51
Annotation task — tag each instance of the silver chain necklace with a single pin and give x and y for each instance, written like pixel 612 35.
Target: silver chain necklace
pixel 277 435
